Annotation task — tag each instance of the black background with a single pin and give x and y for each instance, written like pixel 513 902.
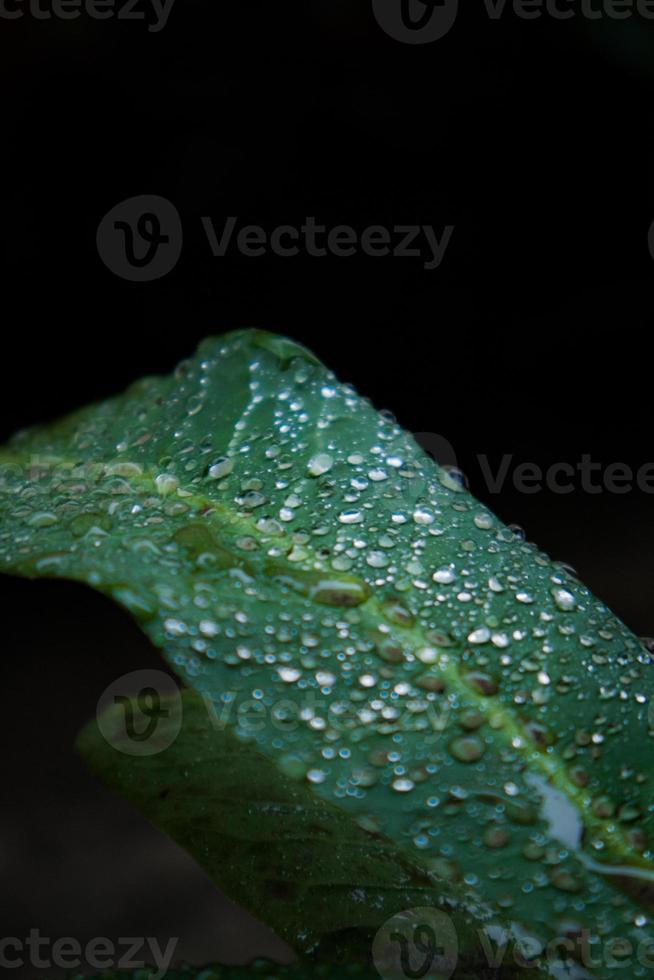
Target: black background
pixel 532 138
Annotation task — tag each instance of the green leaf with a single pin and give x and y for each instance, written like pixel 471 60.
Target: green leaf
pixel 325 883
pixel 414 662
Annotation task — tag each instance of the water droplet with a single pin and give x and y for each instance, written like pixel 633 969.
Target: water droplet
pixel 403 785
pixel 565 881
pixel 431 682
pixel 377 559
pixel 467 748
pixel 482 683
pixel 166 484
pixel 452 478
pixel 221 468
pixel 428 655
pixel 42 519
pixel 350 517
pixel 564 599
pixel 320 463
pixel 252 499
pixel 496 837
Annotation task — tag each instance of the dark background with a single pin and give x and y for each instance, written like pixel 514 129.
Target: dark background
pixel 533 138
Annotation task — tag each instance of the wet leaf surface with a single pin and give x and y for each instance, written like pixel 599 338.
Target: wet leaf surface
pixel 359 620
